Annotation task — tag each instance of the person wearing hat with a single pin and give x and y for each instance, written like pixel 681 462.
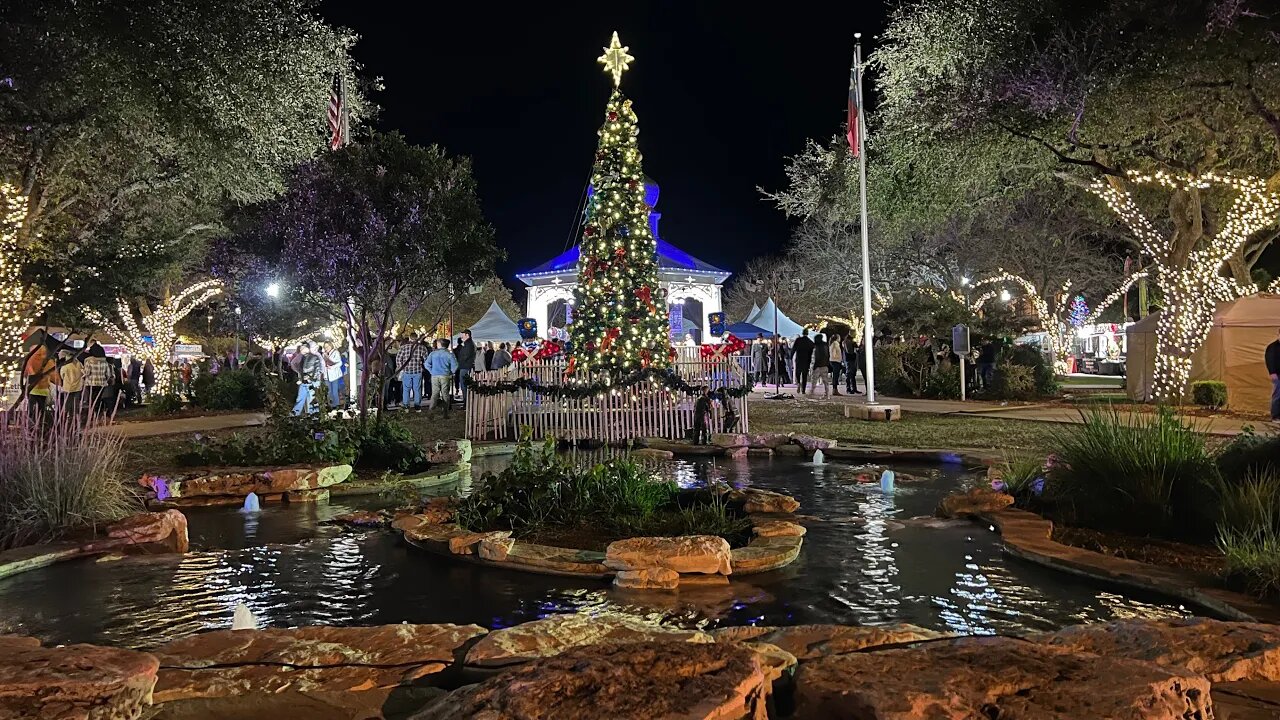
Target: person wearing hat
pixel 70 381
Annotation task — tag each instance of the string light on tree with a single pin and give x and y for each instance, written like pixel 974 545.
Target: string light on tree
pixel 159 324
pixel 620 320
pixel 1190 278
pixel 20 302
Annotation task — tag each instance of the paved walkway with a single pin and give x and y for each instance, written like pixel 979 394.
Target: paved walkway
pixel 192 424
pixel 1044 412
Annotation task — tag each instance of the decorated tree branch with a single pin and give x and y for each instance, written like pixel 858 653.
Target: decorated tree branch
pixel 20 302
pixel 158 324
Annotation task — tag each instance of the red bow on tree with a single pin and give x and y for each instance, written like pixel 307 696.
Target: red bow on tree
pixel 645 293
pixel 609 337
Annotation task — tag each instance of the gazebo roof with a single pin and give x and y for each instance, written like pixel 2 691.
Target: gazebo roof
pixel 670 259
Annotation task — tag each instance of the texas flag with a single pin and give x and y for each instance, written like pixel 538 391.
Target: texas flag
pixel 854 107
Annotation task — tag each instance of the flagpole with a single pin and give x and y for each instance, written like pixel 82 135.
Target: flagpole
pixel 869 371
pixel 353 366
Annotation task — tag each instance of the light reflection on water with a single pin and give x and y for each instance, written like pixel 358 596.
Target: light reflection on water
pixel 864 562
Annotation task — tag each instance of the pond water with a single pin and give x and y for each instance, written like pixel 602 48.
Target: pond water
pixel 864 562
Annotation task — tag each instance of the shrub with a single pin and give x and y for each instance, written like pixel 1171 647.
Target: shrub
pixel 287 440
pixel 943 384
pixel 1014 382
pixel 164 404
pixel 386 444
pixel 1046 381
pixel 902 368
pixel 1249 453
pixel 1144 473
pixel 240 389
pixel 59 480
pixel 1209 393
pixel 1023 477
pixel 1252 559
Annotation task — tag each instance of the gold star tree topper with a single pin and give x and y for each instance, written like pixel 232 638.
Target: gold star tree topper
pixel 615 59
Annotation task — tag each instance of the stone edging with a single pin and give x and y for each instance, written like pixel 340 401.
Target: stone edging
pixel 434 477
pixel 142 533
pixel 496 549
pixel 1028 536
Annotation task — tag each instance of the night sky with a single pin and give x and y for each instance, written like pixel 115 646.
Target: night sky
pixel 722 96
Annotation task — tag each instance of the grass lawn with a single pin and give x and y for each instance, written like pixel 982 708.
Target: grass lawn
pixel 1067 381
pixel 914 430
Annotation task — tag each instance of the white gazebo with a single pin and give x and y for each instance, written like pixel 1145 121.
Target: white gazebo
pixel 689 282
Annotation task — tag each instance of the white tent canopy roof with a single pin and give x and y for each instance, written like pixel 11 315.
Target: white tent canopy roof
pixel 494 326
pixel 755 310
pixel 764 318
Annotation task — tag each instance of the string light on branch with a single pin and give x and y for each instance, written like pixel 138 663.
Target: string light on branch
pixel 1192 283
pixel 20 302
pixel 159 324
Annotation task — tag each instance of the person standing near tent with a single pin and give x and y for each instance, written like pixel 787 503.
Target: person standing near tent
pixel 441 364
pixel 802 350
pixel 466 356
pixel 1272 357
pixel 501 357
pixel 411 366
pixel 759 358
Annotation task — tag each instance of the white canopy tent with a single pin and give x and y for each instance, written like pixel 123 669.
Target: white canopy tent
pixel 765 318
pixel 494 326
pixel 755 310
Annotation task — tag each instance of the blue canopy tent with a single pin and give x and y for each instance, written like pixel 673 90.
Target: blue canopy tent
pixel 747 331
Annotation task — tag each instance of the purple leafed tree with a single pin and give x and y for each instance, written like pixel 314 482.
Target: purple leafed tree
pixel 372 235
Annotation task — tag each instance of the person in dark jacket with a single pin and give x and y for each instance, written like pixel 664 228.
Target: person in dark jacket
pixel 802 351
pixel 821 365
pixel 987 365
pixel 1272 357
pixel 466 355
pixel 851 364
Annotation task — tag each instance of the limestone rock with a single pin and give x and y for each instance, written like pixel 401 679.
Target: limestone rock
pixel 760 556
pixel 1221 651
pixel 363 518
pixel 495 549
pixel 779 528
pixel 464 543
pixel 977 500
pixel 810 443
pixel 736 453
pixel 729 440
pixel 757 500
pixel 652 454
pixel 558 633
pixel 995 678
pixel 775 661
pixel 808 642
pixel 685 554
pixel 449 452
pixel 308 659
pixel 151 532
pixel 634 681
pixel 307 496
pixel 790 451
pixel 655 578
pixel 74 682
pixel 773 441
pixel 240 482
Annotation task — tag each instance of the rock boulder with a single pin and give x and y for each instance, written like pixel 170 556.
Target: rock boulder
pixel 558 633
pixel 151 532
pixel 779 528
pixel 308 659
pixel 363 518
pixel 465 543
pixel 73 682
pixel 808 642
pixel 1221 651
pixel 495 549
pixel 652 454
pixel 995 678
pixel 685 554
pixel 977 501
pixel 634 681
pixel 729 440
pixel 655 578
pixel 810 443
pixel 239 482
pixel 757 500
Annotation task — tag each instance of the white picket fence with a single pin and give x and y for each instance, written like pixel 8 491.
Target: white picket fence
pixel 644 410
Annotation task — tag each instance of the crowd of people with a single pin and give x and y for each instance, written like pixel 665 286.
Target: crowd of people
pixel 61 381
pixel 809 362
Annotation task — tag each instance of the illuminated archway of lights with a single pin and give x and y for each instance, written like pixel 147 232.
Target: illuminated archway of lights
pixel 20 303
pixel 1059 331
pixel 855 324
pixel 332 331
pixel 160 324
pixel 1192 287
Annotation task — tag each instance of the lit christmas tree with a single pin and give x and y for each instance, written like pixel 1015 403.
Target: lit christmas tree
pixel 1078 315
pixel 619 312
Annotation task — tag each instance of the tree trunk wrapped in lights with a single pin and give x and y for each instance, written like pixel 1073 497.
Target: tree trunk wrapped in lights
pixel 1188 263
pixel 20 303
pixel 159 324
pixel 1060 321
pixel 620 320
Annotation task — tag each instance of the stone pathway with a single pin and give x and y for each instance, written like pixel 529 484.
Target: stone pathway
pixel 192 424
pixel 1043 412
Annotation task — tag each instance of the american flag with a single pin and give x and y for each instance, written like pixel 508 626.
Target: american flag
pixel 337 113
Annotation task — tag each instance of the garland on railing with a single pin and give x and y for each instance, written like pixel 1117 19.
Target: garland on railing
pixel 598 388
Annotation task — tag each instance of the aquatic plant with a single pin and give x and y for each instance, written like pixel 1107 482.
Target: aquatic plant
pixel 1252 559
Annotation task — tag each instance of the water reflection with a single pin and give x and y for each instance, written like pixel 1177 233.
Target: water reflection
pixel 864 562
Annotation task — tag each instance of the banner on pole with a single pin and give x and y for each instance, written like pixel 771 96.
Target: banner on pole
pixel 676 313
